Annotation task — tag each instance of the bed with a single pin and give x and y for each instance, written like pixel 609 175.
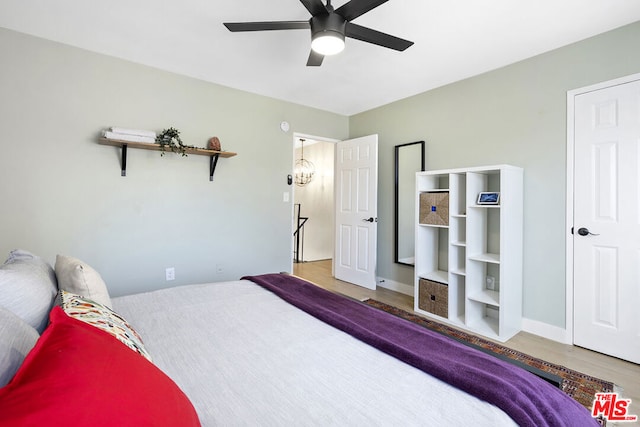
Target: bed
pixel 268 350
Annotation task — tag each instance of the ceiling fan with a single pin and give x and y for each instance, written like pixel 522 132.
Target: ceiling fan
pixel 329 28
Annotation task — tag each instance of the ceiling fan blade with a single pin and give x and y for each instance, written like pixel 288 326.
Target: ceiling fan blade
pixel 315 7
pixel 355 8
pixel 267 25
pixel 376 37
pixel 315 59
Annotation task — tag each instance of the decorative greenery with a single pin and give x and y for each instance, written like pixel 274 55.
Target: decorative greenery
pixel 171 138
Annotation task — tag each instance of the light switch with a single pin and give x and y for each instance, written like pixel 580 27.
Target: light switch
pixel 285 196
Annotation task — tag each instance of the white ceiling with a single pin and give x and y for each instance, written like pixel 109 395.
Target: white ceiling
pixel 454 39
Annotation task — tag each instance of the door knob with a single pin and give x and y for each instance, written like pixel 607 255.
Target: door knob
pixel 371 219
pixel 585 232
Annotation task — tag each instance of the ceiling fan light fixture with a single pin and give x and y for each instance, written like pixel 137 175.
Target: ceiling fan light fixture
pixel 327 43
pixel 327 34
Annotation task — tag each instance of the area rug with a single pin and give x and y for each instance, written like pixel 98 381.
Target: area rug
pixel 579 386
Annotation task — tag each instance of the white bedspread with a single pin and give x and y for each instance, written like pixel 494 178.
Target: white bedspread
pixel 246 358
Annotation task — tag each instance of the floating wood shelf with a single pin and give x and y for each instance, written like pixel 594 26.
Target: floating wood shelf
pixel 213 155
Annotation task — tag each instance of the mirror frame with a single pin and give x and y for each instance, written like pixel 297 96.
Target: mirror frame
pixel 396 196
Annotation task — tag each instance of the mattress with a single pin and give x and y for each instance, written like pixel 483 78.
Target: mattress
pixel 245 357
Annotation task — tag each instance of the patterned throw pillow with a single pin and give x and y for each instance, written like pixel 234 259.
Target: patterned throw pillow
pixel 104 318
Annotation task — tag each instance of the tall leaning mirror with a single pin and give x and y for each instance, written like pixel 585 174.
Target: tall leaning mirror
pixel 409 159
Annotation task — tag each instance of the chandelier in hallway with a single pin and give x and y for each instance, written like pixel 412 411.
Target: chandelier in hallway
pixel 304 170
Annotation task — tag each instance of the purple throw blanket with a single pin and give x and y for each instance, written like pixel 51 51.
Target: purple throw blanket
pixel 527 399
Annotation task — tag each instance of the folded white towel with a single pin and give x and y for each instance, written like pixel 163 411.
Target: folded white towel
pixel 136 132
pixel 124 137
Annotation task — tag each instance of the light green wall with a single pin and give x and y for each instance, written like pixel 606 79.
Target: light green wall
pixel 514 115
pixel 61 192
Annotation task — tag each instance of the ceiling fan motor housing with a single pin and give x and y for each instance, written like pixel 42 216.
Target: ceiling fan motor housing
pixel 330 24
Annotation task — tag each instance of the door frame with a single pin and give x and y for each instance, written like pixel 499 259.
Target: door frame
pixel 296 136
pixel 569 285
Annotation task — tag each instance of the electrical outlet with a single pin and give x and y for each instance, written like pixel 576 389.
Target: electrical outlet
pixel 491 283
pixel 219 269
pixel 170 273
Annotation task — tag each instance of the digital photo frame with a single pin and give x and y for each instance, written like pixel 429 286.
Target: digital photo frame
pixel 489 198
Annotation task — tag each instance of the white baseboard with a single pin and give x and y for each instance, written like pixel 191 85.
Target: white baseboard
pixel 392 285
pixel 553 333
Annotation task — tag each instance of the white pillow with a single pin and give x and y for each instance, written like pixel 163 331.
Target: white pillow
pixel 17 338
pixel 28 288
pixel 79 278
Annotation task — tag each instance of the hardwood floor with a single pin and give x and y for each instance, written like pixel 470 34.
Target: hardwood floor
pixel 625 375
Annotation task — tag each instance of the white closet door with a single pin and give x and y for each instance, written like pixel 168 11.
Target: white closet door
pixel 607 221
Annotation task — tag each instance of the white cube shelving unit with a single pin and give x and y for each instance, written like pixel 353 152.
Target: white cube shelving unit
pixel 480 241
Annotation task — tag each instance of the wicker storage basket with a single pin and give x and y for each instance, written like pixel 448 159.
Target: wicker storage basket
pixel 433 297
pixel 434 208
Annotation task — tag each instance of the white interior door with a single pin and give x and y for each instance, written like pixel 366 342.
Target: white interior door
pixel 606 238
pixel 356 195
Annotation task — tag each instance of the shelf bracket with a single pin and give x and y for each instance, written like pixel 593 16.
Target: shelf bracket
pixel 123 162
pixel 213 162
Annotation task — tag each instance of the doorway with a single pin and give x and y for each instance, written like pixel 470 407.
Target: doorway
pixel 603 215
pixel 313 199
pixel 348 217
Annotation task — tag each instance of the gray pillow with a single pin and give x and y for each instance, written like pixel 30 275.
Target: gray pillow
pixel 17 338
pixel 28 287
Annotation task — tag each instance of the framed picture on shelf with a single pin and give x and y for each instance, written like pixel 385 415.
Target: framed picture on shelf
pixel 489 198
